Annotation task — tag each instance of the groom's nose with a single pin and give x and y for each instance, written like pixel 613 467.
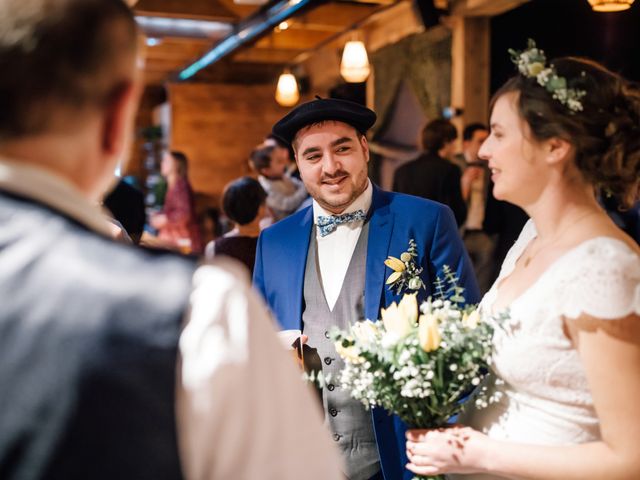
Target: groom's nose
pixel 330 164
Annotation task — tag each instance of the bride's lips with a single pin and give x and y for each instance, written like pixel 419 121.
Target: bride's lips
pixel 495 173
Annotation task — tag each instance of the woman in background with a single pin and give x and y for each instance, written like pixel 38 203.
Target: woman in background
pixel 244 202
pixel 177 224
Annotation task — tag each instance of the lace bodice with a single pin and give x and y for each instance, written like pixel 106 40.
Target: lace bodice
pixel 545 396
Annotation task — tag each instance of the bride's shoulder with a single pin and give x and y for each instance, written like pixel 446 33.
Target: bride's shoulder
pixel 602 278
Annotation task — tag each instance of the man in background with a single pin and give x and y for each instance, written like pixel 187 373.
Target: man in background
pixel 116 362
pixel 474 185
pixel 432 175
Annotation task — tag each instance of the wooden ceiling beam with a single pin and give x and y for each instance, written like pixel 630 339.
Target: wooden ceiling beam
pixel 487 8
pixel 341 15
pixel 196 9
pixel 170 49
pixel 293 39
pixel 266 55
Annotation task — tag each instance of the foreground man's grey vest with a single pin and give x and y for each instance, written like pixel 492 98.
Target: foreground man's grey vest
pixel 88 343
pixel 349 422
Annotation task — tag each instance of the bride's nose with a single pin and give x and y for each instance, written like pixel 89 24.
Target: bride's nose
pixel 484 153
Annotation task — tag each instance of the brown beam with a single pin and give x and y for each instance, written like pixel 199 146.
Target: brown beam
pixel 199 9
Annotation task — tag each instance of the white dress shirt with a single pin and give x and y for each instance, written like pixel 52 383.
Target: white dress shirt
pixel 242 409
pixel 335 250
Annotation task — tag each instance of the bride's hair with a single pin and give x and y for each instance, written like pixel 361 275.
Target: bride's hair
pixel 605 133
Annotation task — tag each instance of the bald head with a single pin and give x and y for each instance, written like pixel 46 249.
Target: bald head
pixel 60 59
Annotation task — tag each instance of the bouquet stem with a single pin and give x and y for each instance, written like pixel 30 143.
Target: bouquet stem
pixel 437 477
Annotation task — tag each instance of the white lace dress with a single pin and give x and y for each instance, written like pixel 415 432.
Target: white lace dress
pixel 545 395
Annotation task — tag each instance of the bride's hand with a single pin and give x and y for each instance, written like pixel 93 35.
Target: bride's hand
pixel 446 450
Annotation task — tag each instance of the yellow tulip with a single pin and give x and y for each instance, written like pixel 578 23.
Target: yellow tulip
pixel 429 333
pixel 471 320
pixel 409 308
pixel 350 354
pixel 395 264
pixel 395 323
pixel 365 332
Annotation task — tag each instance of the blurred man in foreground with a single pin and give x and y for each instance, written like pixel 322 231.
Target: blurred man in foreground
pixel 117 362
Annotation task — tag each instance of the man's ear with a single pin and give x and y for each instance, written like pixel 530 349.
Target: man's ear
pixel 118 115
pixel 558 150
pixel 365 147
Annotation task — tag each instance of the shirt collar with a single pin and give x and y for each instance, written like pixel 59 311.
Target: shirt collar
pixel 362 202
pixel 55 191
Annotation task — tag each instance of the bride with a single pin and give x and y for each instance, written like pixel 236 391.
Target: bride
pixel 568 355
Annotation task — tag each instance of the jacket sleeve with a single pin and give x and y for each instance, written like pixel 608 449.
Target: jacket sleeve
pixel 447 249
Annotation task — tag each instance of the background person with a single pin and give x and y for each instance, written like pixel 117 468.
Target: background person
pixel 177 224
pixel 244 202
pixel 284 193
pixel 432 175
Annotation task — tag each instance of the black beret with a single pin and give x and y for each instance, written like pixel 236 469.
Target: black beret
pixel 321 109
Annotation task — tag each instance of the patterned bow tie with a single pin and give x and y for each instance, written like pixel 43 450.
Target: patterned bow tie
pixel 328 224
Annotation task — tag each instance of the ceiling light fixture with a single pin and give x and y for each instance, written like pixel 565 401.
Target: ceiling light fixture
pixel 610 5
pixel 354 67
pixel 287 93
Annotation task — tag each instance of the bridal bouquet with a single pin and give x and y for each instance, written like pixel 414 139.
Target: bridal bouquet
pixel 419 363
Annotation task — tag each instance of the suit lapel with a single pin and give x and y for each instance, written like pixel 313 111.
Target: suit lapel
pixel 380 229
pixel 298 240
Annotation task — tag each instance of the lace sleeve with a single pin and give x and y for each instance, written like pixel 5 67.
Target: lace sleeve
pixel 603 281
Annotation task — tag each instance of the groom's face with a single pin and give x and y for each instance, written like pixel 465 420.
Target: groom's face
pixel 333 161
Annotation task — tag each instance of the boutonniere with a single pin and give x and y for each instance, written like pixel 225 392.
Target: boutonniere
pixel 406 273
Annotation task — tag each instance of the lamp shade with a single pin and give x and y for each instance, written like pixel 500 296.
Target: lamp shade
pixel 287 93
pixel 610 5
pixel 355 62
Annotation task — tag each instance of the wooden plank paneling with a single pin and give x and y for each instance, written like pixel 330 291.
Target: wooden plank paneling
pixel 294 39
pixel 217 126
pixel 337 14
pixel 266 55
pixel 469 8
pixel 203 9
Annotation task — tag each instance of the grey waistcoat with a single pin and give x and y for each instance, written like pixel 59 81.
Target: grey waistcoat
pixel 89 333
pixel 347 419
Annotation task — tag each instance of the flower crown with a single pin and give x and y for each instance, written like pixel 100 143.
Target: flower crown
pixel 532 64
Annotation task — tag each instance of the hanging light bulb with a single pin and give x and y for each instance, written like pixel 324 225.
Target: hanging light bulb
pixel 287 93
pixel 610 5
pixel 355 62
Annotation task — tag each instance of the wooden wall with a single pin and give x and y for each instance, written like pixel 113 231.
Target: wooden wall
pixel 217 126
pixel 153 95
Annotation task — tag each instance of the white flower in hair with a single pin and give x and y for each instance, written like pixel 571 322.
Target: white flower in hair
pixel 532 63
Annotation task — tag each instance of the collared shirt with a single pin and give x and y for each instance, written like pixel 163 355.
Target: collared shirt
pixel 242 409
pixel 335 250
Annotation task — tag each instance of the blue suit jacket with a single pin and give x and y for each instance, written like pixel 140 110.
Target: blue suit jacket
pixel 395 218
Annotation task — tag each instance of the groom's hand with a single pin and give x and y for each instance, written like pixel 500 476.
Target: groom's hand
pixel 296 349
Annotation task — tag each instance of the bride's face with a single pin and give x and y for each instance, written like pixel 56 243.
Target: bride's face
pixel 515 157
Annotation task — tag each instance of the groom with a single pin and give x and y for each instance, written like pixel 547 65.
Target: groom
pixel 324 266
